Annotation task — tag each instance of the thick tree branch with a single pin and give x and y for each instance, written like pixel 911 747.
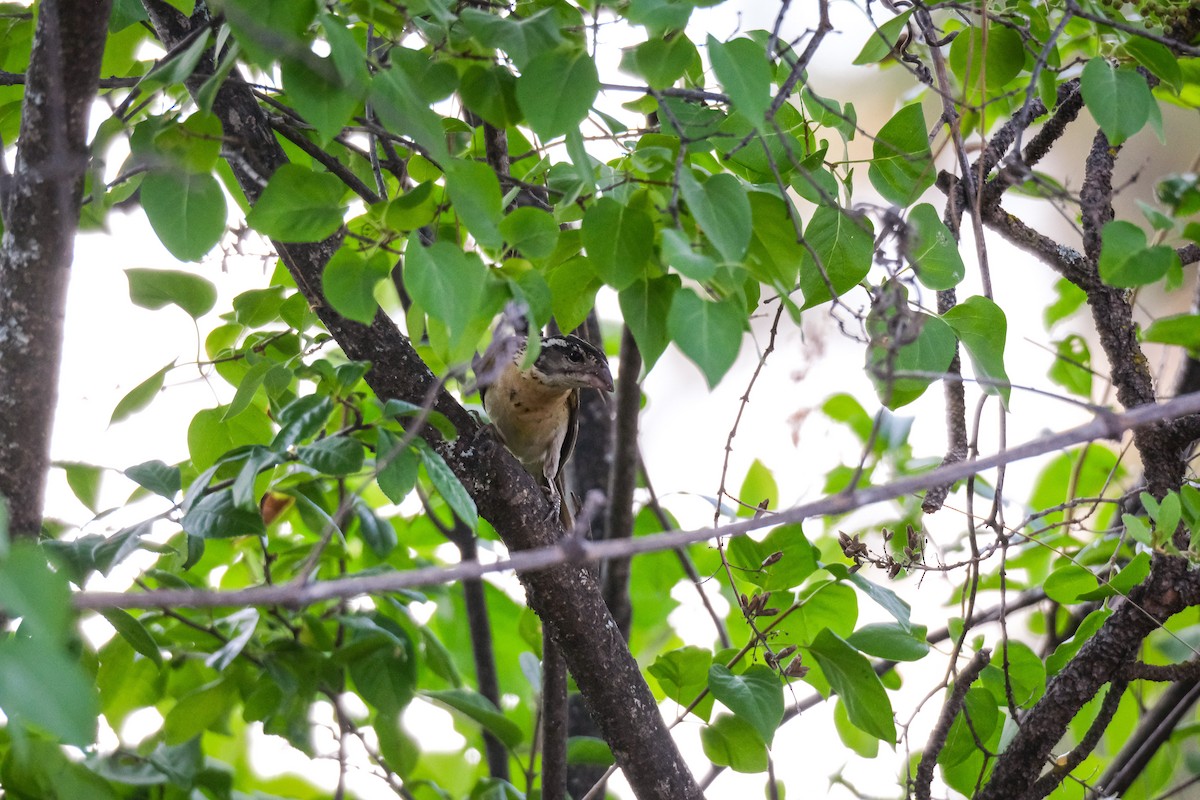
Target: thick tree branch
pixel 40 209
pixel 618 518
pixel 1168 589
pixel 937 738
pixel 1064 765
pixel 1154 729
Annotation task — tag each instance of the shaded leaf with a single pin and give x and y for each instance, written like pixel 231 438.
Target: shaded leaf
pixel 709 333
pixel 755 695
pixel 155 288
pixel 851 676
pixel 299 205
pixel 902 163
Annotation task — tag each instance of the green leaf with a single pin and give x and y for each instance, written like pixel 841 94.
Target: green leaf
pixel 775 252
pixel 677 252
pixel 1130 575
pixel 412 209
pixel 41 679
pixel 349 281
pixel 180 65
pixel 84 480
pixel 134 632
pixel 491 92
pixel 556 91
pixel 248 387
pixel 981 327
pixel 334 455
pixel 891 641
pixel 861 743
pixel 933 251
pixel 256 308
pixel 993 66
pixel 448 486
pixel 709 333
pixel 1067 583
pixel 644 307
pixel 203 709
pixel 903 376
pixel 31 591
pixel 157 477
pixel 321 96
pixel 755 696
pixel 244 622
pixel 521 38
pixel 721 209
pixel 972 726
pixel 401 107
pixel 140 396
pixel 888 600
pixel 1126 261
pixel 299 205
pixel 902 163
pixel 590 751
pixel 396 466
pixel 682 674
pixel 1181 329
pixel 43 684
pixel 1118 98
pixel 448 283
pixel 850 675
pixel 474 190
pixel 744 73
pixel 382 661
pixel 843 243
pixel 478 708
pixel 619 241
pixel 1072 366
pixel 1156 58
pixel 730 741
pixel 156 288
pixel 187 211
pixel 883 40
pixel 829 604
pixel 301 419
pixel 377 533
pixel 1070 299
pixel 532 232
pixel 217 516
pixel 573 288
pixel 1026 676
pixel 1067 650
pixel 796 558
pixel 662 61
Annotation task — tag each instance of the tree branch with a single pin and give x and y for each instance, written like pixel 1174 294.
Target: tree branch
pixel 576 551
pixel 937 738
pixel 40 211
pixel 618 518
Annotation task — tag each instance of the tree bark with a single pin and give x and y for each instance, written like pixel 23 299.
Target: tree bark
pixel 41 205
pixel 567 598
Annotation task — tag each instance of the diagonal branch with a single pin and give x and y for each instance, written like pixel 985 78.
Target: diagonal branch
pixel 566 598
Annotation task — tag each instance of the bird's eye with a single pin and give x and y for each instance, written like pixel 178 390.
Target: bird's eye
pixel 575 356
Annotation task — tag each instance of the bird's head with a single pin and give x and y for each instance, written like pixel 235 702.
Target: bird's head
pixel 568 362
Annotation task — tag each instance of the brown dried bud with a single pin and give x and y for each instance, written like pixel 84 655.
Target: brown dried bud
pixel 773 558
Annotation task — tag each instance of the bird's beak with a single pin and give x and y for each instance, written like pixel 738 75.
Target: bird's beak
pixel 601 379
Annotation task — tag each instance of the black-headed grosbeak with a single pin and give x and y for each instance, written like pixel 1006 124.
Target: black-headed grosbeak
pixel 536 409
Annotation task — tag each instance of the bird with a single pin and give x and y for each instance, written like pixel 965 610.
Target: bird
pixel 535 408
